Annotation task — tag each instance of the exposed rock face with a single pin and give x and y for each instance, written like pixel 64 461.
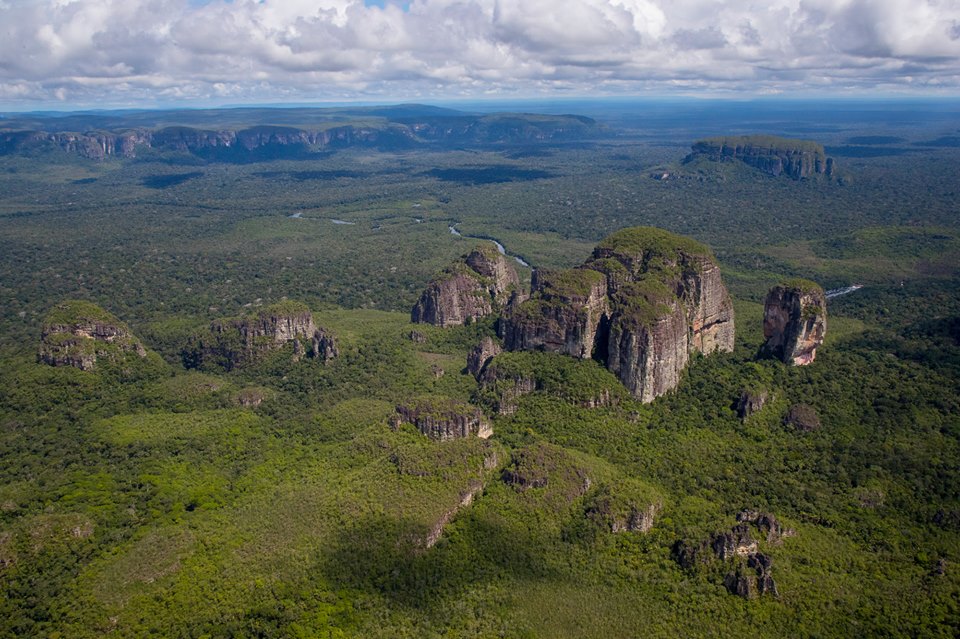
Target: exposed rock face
pixel 751 575
pixel 750 402
pixel 481 354
pixel 76 333
pixel 480 283
pixel 641 304
pixel 802 417
pixel 440 418
pixel 766 523
pixel 794 322
pixel 753 579
pixel 240 341
pixel 466 498
pixel 798 159
pixel 563 316
pixel 649 356
pixel 622 508
pixel 738 542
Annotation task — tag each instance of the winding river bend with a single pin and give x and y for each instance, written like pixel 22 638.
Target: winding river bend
pixel 500 247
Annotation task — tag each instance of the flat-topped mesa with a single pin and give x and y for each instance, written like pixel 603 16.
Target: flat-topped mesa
pixel 239 341
pixel 442 418
pixel 798 159
pixel 794 322
pixel 76 333
pixel 641 304
pixel 478 284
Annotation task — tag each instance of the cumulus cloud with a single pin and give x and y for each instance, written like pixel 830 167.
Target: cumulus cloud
pixel 134 51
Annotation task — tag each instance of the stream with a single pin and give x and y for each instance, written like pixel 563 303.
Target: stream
pixel 500 247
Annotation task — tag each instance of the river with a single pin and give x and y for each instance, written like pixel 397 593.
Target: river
pixel 500 247
pixel 837 292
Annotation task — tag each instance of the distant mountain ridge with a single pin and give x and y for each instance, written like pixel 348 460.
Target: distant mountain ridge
pixel 266 133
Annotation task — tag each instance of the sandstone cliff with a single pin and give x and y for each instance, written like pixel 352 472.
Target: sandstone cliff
pixel 441 418
pixel 480 356
pixel 475 286
pixel 240 341
pixel 794 322
pixel 798 159
pixel 76 333
pixel 642 303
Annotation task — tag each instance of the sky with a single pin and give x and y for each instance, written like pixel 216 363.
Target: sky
pixel 62 54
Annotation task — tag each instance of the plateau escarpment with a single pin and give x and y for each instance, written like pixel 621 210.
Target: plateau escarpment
pixel 231 343
pixel 642 303
pixel 117 136
pixel 78 333
pixel 794 322
pixel 798 159
pixel 478 284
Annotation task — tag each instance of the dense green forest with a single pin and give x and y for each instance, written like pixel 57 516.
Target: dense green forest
pixel 152 498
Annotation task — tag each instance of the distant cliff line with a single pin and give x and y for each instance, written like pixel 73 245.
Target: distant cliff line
pixel 271 141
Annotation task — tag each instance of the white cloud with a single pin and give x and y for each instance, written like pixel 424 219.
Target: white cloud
pixel 123 51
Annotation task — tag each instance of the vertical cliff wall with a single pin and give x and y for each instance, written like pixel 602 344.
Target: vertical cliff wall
pixel 475 286
pixel 644 301
pixel 794 322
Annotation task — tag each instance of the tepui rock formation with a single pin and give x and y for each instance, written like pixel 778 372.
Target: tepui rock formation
pixel 240 341
pixel 797 159
pixel 642 304
pixel 77 333
pixel 478 284
pixel 794 322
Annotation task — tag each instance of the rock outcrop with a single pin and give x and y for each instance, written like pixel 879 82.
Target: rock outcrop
pixel 76 333
pixel 750 573
pixel 237 342
pixel 627 506
pixel 802 417
pixel 480 356
pixel 441 418
pixel 794 322
pixel 751 401
pixel 475 286
pixel 642 303
pixel 798 159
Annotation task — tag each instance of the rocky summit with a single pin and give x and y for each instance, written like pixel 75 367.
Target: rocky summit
pixel 478 284
pixel 235 342
pixel 794 322
pixel 76 333
pixel 642 303
pixel 797 159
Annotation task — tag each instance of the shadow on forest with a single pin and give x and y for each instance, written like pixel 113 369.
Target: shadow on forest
pixel 488 175
pixel 383 555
